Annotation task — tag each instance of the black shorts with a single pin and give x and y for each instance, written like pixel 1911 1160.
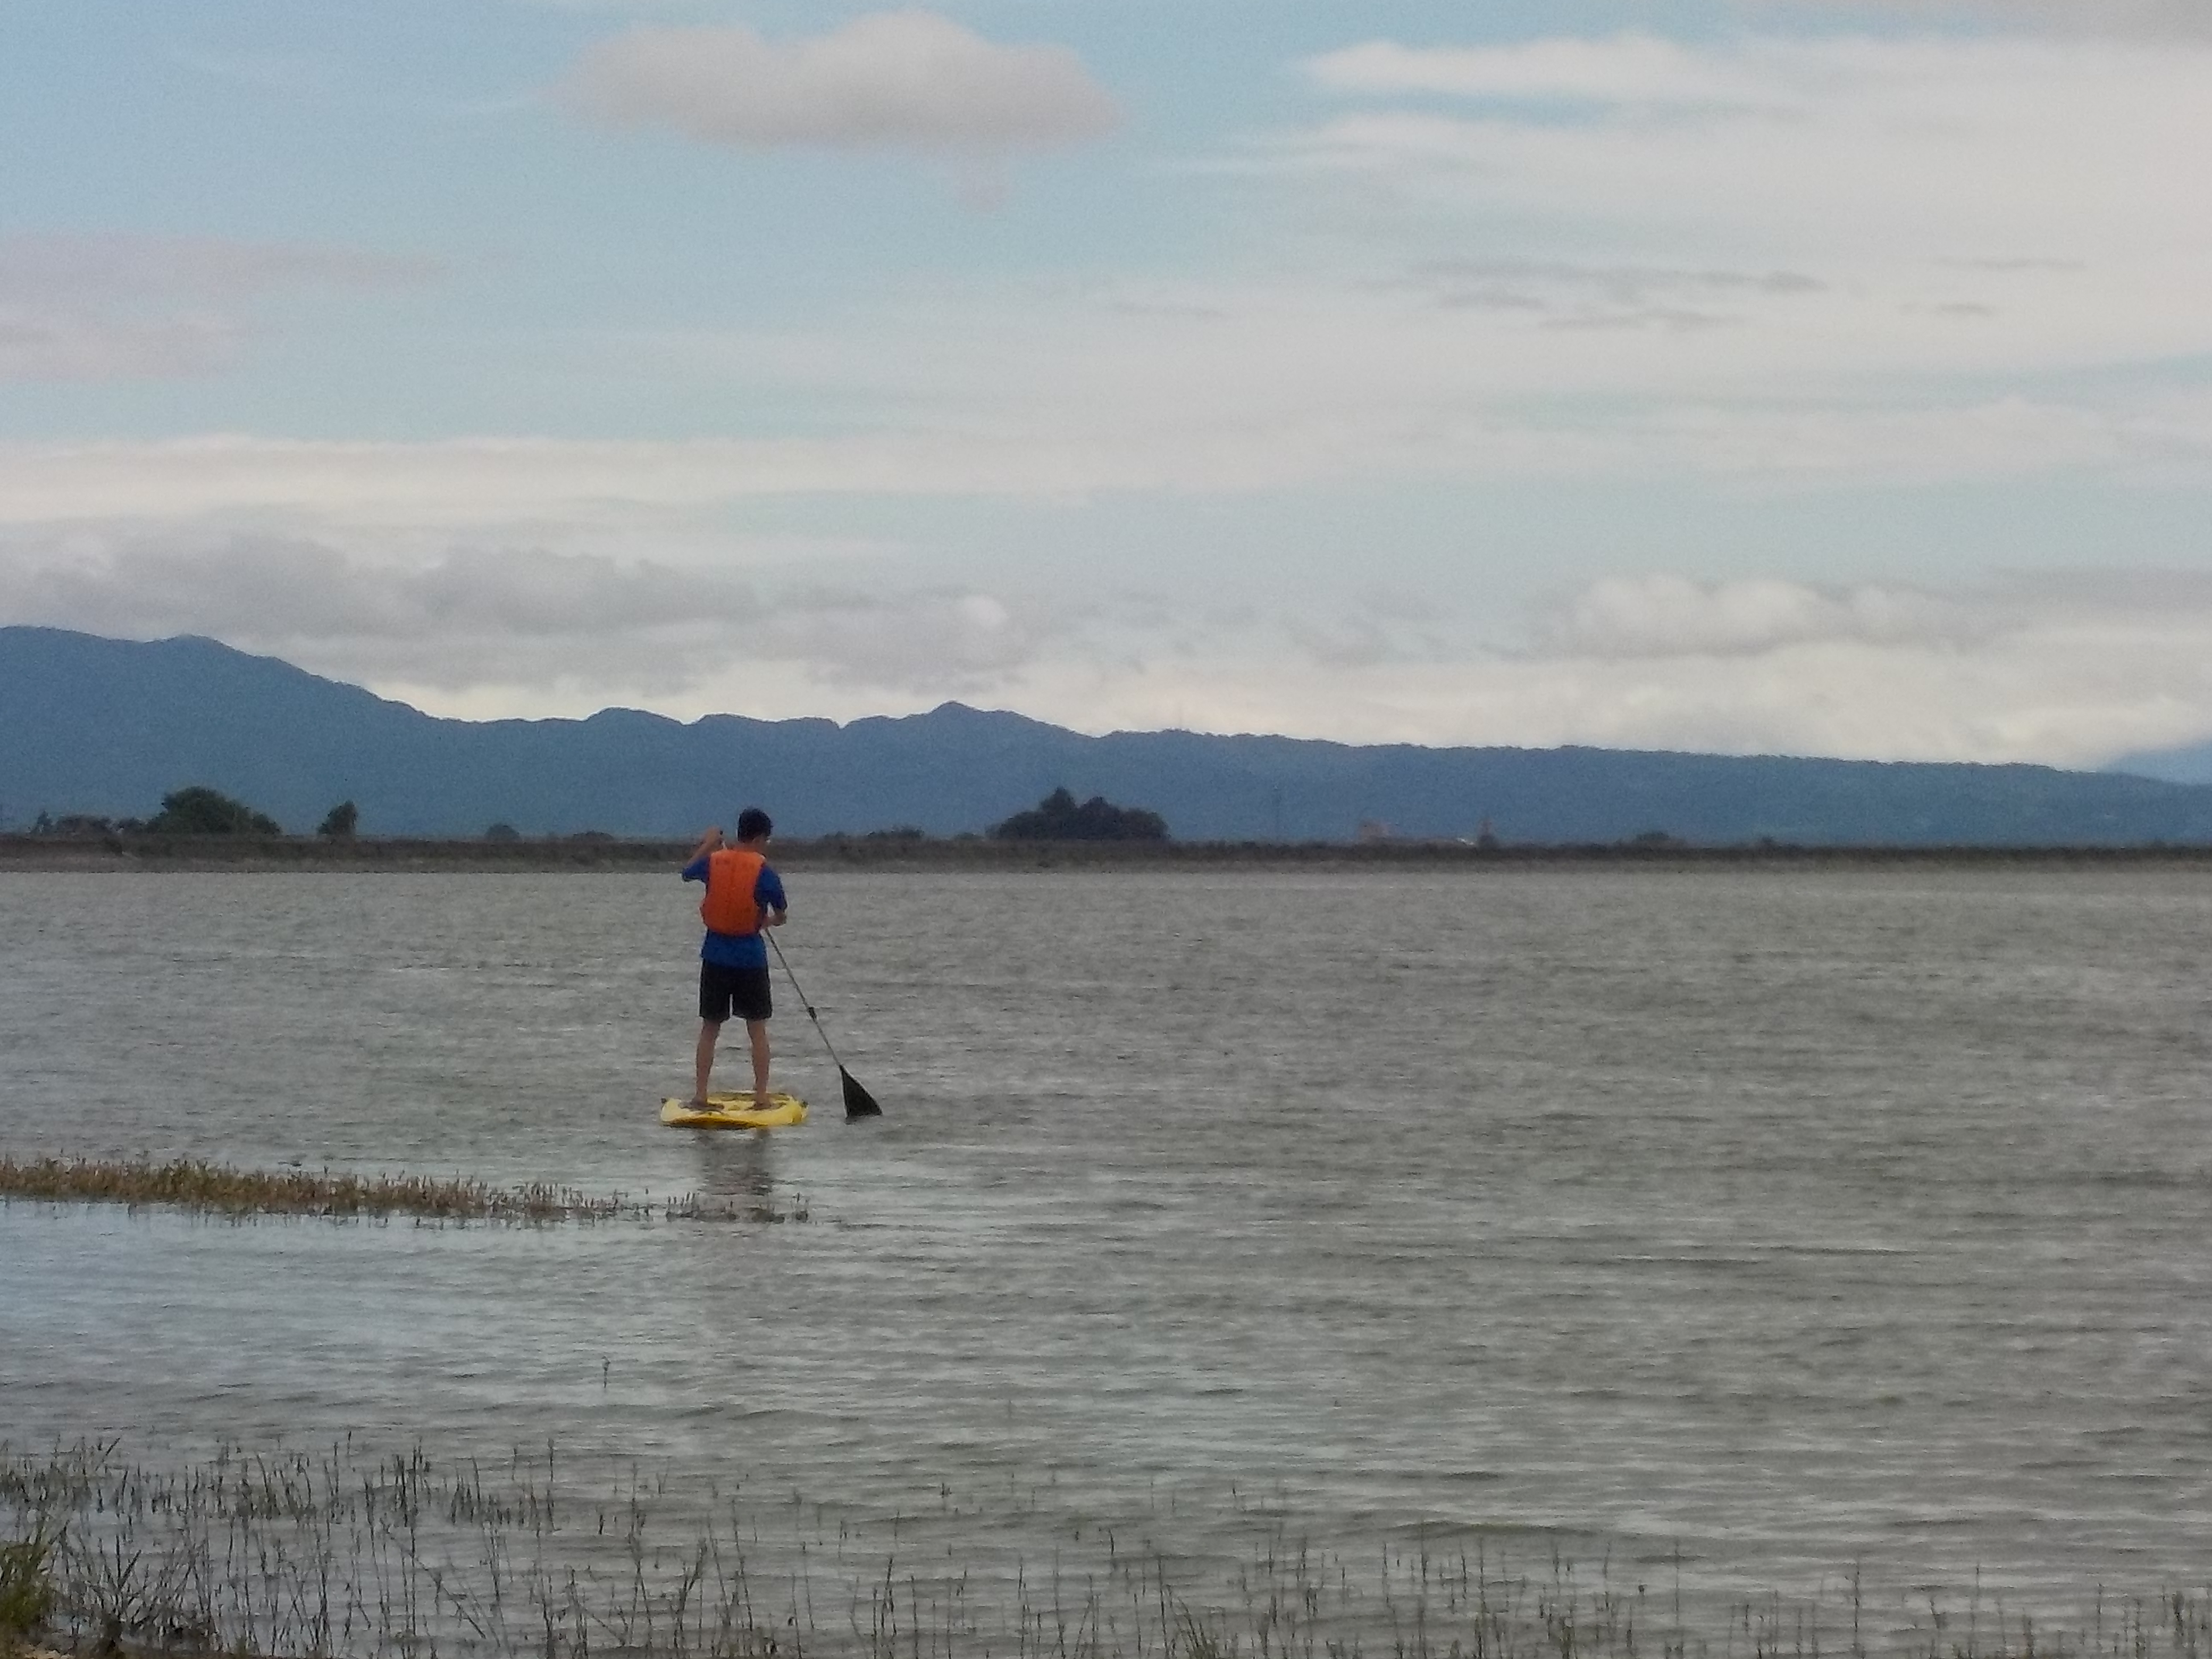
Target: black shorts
pixel 725 992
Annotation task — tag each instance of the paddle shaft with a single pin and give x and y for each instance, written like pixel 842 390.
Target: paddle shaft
pixel 803 1002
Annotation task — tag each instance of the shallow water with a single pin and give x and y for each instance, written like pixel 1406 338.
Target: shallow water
pixel 1774 1222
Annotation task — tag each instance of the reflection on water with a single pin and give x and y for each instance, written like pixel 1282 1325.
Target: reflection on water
pixel 738 1166
pixel 1765 1223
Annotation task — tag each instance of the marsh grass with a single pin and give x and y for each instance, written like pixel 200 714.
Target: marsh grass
pixel 193 1185
pixel 27 1595
pixel 338 1553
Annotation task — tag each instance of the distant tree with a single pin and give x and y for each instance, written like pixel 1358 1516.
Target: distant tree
pixel 595 836
pixel 899 832
pixel 1656 838
pixel 338 823
pixel 43 824
pixel 502 832
pixel 1057 817
pixel 199 810
pixel 81 824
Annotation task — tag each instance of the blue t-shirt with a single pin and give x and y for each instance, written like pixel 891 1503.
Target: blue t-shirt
pixel 733 950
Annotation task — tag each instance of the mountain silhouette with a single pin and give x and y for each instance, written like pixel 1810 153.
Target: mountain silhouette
pixel 108 726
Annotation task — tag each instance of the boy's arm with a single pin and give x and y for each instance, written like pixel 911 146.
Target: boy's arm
pixel 694 870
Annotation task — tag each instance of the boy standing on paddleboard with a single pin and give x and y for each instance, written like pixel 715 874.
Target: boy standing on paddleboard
pixel 744 895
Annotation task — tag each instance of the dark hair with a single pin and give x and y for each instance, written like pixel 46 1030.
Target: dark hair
pixel 753 823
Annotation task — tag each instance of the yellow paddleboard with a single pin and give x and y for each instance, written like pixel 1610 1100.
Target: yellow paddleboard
pixel 735 1112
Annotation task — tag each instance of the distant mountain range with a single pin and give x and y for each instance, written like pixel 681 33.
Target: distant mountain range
pixel 107 726
pixel 2192 764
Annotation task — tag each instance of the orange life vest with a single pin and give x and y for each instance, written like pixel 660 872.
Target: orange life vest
pixel 730 907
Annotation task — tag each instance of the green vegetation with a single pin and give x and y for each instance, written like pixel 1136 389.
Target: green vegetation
pixel 28 1595
pixel 340 822
pixel 403 1554
pixel 199 810
pixel 1057 817
pixel 219 1189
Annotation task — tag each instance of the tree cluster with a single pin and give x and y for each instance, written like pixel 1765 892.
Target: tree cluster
pixel 1057 817
pixel 199 810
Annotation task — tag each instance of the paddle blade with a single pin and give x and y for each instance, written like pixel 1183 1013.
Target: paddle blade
pixel 859 1102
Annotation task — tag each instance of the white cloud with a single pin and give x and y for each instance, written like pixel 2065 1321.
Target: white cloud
pixel 108 307
pixel 570 483
pixel 931 643
pixel 910 80
pixel 467 615
pixel 1773 259
pixel 1665 615
pixel 2059 671
pixel 1630 69
pixel 467 622
pixel 44 345
pixel 1149 424
pixel 1862 150
pixel 1145 421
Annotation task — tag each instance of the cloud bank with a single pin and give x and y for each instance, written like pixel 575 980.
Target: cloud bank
pixel 903 80
pixel 1392 421
pixel 518 620
pixel 2071 669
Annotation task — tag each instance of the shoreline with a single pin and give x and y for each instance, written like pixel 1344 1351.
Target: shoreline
pixel 590 853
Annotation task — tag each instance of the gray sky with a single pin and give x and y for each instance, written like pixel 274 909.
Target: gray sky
pixel 1757 376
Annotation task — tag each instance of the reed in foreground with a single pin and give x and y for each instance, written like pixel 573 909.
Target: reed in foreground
pixel 219 1189
pixel 346 1553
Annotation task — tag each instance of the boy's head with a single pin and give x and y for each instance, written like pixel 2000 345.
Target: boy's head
pixel 753 825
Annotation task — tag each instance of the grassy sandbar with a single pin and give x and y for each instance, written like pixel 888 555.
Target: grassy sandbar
pixel 198 1186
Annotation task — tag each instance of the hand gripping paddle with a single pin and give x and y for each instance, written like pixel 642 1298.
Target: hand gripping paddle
pixel 859 1102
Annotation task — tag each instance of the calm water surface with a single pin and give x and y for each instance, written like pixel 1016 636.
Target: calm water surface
pixel 1779 1221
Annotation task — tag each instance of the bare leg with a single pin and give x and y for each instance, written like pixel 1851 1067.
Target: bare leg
pixel 708 1031
pixel 756 1032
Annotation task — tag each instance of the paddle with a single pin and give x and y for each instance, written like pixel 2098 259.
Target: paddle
pixel 859 1102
